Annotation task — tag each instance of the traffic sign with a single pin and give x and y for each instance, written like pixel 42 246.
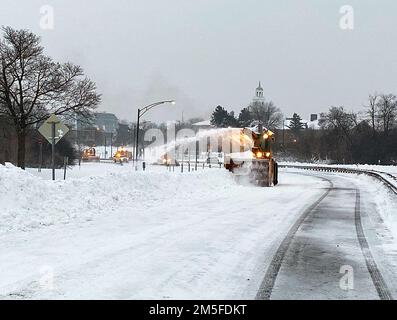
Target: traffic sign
pixel 53 130
pixel 60 129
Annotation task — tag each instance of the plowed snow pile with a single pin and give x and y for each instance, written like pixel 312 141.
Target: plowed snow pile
pixel 27 201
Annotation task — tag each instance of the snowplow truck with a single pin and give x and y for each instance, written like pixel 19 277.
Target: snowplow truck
pixel 122 155
pixel 258 163
pixel 89 155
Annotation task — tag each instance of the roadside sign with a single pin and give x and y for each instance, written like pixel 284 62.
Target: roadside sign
pixel 60 129
pixel 53 130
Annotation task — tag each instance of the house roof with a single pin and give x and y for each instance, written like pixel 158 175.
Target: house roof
pixel 203 123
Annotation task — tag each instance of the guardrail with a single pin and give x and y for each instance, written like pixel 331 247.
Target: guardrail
pixel 373 174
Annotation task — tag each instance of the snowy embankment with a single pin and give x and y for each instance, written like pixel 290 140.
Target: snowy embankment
pixel 379 168
pixel 384 199
pixel 153 234
pixel 387 172
pixel 28 201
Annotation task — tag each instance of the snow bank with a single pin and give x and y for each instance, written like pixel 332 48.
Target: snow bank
pixel 385 200
pixel 28 201
pixel 379 168
pixel 389 173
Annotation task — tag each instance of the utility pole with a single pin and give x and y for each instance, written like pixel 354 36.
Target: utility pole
pixel 133 145
pixel 40 154
pixel 137 136
pixel 132 132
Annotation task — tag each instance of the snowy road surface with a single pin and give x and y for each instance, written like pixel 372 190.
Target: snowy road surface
pixel 340 233
pixel 134 235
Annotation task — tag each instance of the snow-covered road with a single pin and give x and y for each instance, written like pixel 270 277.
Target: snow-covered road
pixel 157 234
pixel 341 238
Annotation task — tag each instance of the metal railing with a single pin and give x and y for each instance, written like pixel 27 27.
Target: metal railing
pixel 373 174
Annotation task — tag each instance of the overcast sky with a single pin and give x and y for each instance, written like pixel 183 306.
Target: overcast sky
pixel 209 52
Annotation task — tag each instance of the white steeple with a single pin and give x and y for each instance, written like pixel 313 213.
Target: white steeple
pixel 259 97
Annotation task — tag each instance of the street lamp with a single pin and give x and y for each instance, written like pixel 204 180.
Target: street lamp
pixel 141 112
pixel 131 132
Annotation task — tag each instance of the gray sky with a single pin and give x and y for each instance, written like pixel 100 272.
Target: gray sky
pixel 209 52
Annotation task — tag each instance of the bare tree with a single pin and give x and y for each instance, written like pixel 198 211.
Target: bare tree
pixel 373 121
pixel 338 118
pixel 268 113
pixel 387 112
pixel 340 124
pixel 32 86
pixel 372 112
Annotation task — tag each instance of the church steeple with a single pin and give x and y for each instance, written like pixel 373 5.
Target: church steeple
pixel 259 92
pixel 259 98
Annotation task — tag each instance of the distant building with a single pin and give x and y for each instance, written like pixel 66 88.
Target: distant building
pixel 106 122
pixel 314 122
pixel 81 123
pixel 103 121
pixel 202 125
pixel 313 117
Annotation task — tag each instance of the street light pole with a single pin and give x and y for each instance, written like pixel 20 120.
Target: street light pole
pixel 141 112
pixel 132 139
pixel 137 136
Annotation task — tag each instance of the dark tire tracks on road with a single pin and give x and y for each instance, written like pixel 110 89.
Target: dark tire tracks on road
pixel 377 279
pixel 268 283
pixel 265 290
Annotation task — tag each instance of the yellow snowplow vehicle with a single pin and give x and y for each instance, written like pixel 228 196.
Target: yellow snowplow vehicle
pixel 258 164
pixel 122 155
pixel 89 155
